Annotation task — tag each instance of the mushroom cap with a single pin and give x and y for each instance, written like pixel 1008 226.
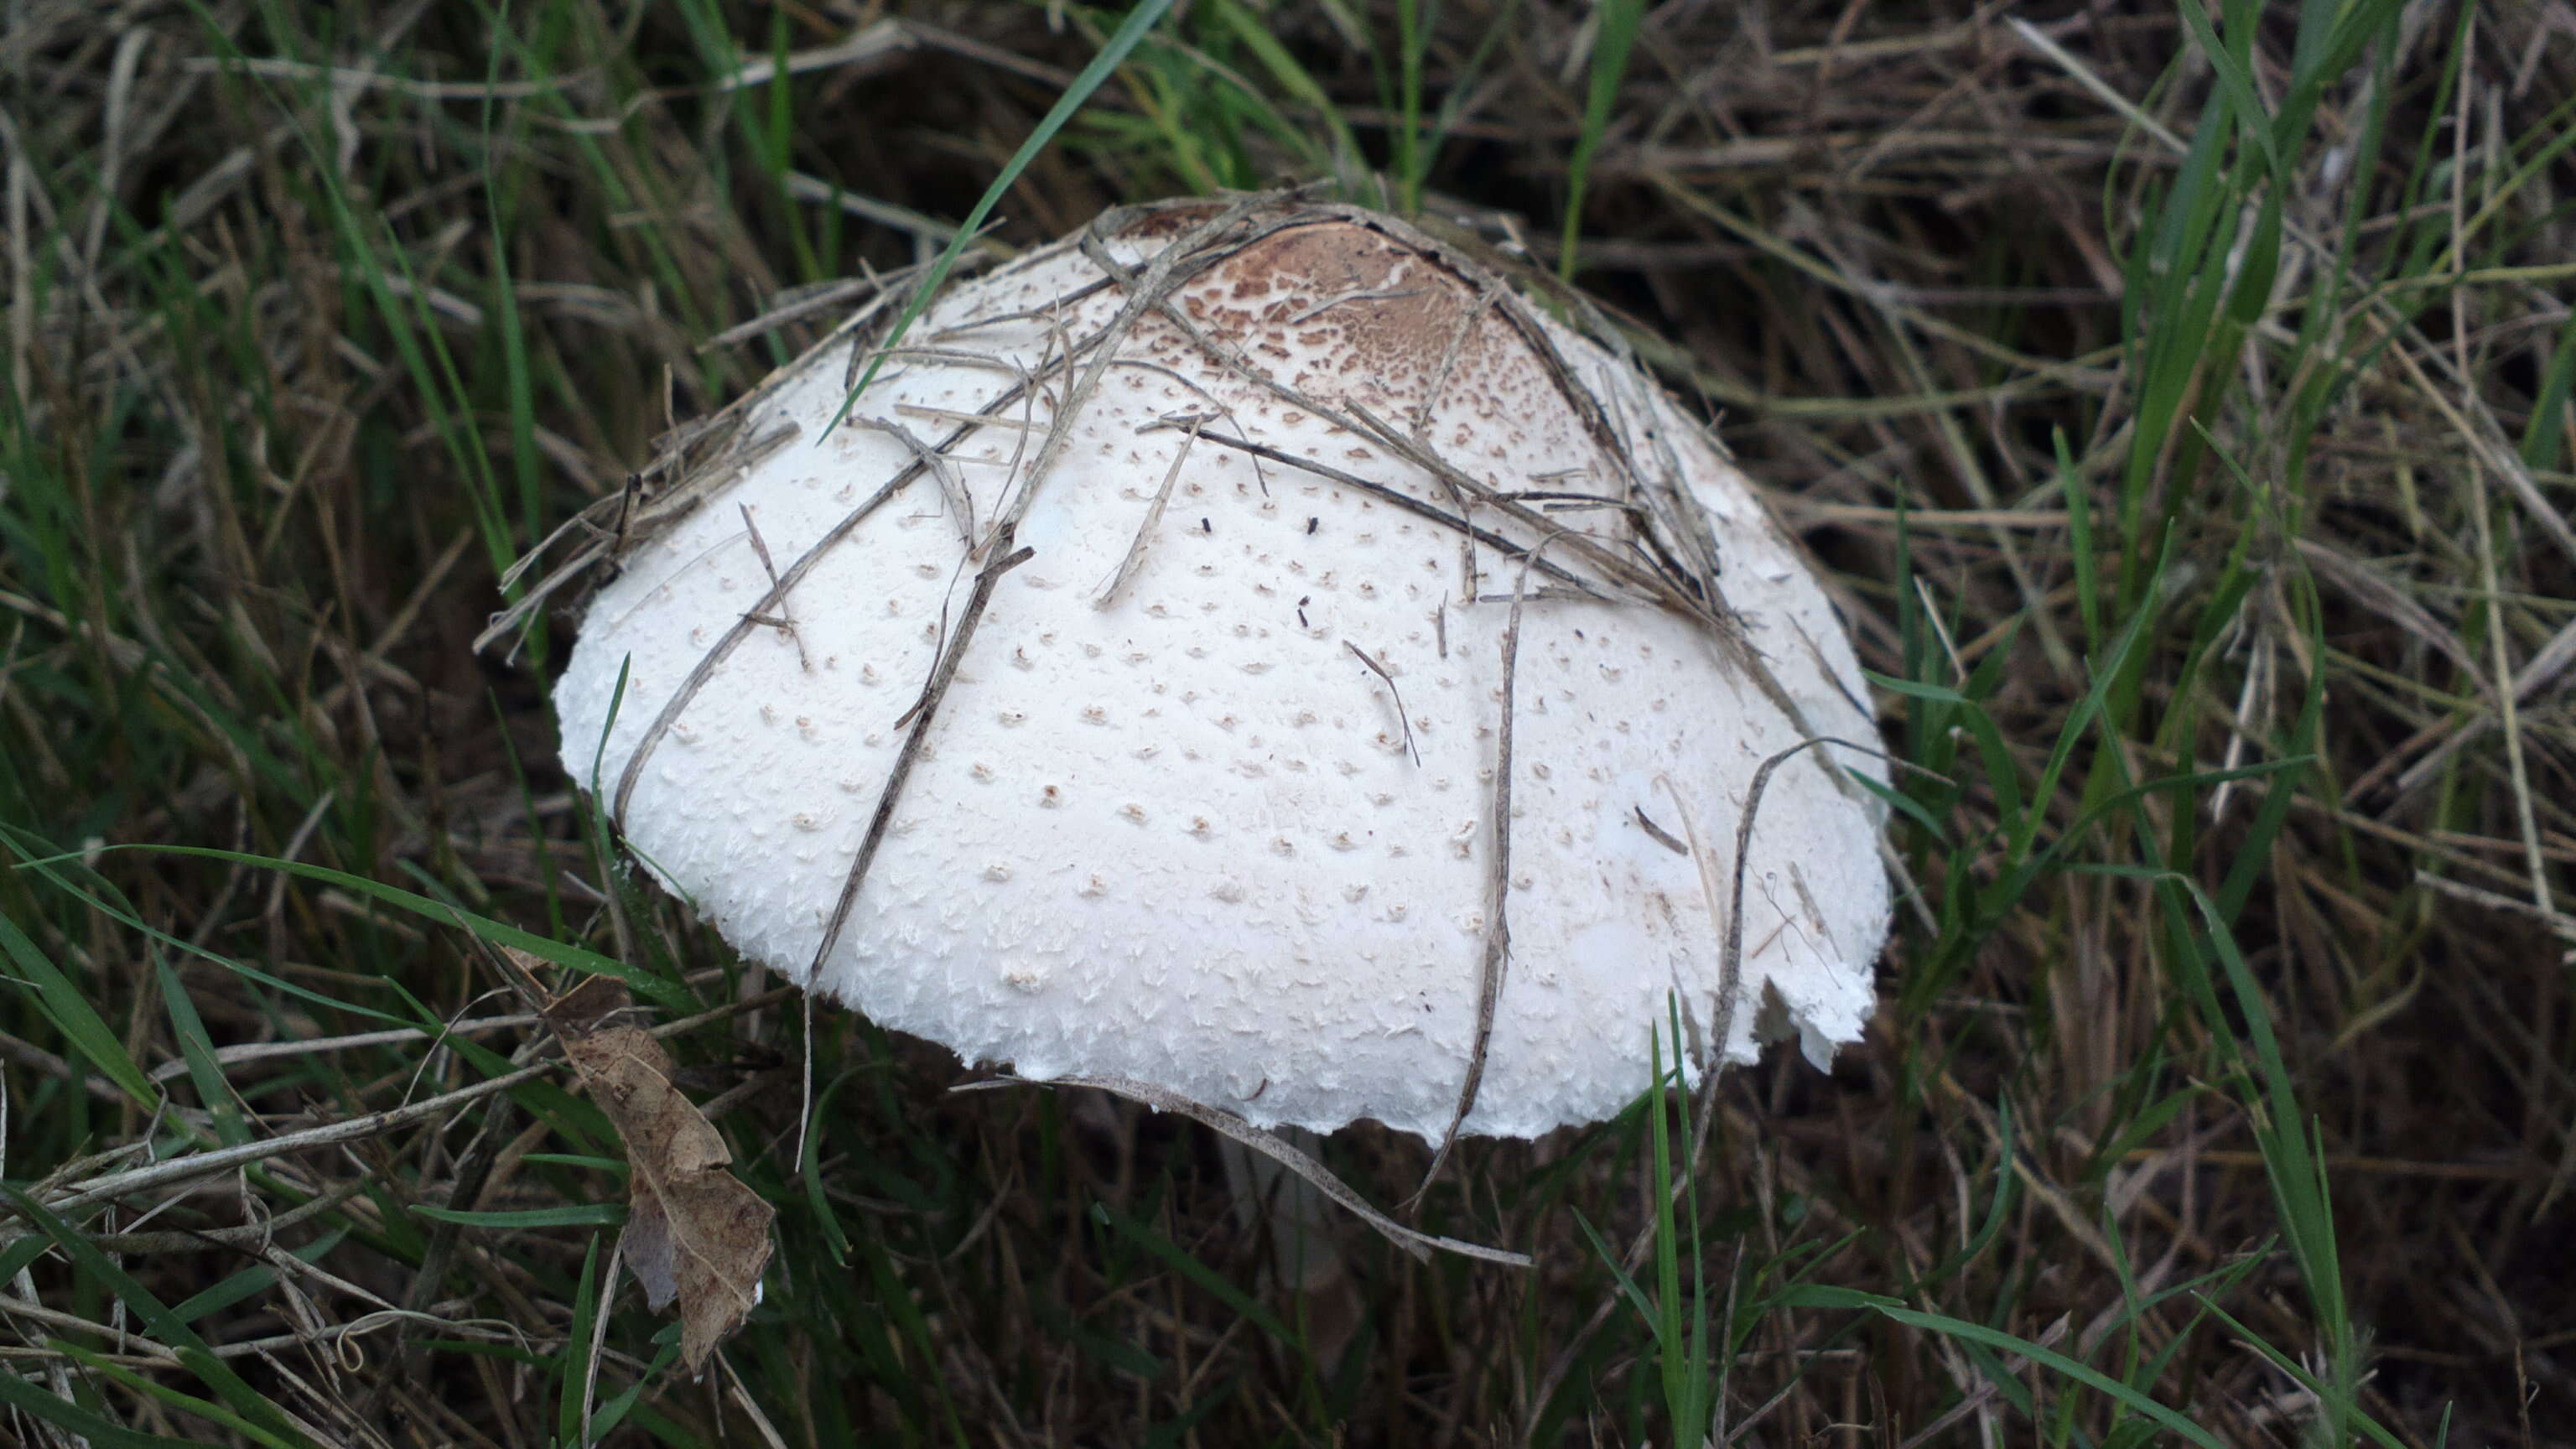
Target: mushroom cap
pixel 1165 822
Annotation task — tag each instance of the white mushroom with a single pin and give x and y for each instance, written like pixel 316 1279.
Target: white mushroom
pixel 1161 629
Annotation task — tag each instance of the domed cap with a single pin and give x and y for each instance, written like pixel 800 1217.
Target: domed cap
pixel 1241 648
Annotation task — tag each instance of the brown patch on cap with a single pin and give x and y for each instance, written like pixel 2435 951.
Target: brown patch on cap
pixel 1387 314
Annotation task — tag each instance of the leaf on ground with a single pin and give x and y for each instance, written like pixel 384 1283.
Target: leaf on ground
pixel 694 1233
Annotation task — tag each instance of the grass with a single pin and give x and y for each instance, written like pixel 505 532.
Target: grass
pixel 2179 397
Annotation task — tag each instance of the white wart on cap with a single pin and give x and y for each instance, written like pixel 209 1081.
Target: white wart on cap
pixel 1163 822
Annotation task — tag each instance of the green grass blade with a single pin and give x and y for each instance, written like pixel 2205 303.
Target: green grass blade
pixel 1616 24
pixel 87 1033
pixel 97 1430
pixel 2128 1396
pixel 257 1415
pixel 1130 33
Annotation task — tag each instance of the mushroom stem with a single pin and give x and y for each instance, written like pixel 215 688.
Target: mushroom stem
pixel 1305 1259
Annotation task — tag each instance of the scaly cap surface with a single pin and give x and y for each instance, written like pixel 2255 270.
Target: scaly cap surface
pixel 1164 821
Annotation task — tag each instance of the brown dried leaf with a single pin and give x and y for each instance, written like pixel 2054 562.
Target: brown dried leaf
pixel 694 1233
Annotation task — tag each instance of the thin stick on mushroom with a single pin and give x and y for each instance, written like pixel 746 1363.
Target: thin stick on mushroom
pixel 783 621
pixel 1415 506
pixel 952 488
pixel 1135 555
pixel 1393 694
pixel 921 715
pixel 1498 884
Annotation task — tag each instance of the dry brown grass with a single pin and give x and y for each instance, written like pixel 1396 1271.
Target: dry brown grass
pixel 300 353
